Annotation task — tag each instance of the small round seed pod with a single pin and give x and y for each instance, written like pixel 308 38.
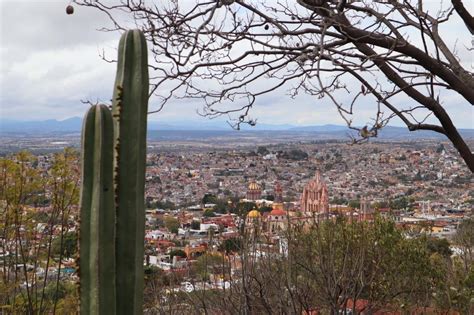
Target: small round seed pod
pixel 69 9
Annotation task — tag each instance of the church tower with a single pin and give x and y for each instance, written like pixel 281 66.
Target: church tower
pixel 278 192
pixel 315 196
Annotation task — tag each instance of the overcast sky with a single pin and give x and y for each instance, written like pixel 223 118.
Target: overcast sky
pixel 49 61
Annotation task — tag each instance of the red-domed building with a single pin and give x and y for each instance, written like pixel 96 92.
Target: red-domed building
pixel 277 219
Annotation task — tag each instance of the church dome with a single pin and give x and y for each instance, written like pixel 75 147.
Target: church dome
pixel 254 186
pixel 253 214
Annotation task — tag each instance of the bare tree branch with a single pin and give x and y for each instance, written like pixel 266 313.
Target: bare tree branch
pixel 229 54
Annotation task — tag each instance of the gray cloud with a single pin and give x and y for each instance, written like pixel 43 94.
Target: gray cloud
pixel 49 61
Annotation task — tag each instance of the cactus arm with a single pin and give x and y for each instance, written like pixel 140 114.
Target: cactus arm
pixel 130 102
pixel 97 216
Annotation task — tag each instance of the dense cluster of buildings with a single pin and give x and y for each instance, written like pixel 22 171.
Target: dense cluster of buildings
pixel 378 172
pixel 358 183
pixel 422 186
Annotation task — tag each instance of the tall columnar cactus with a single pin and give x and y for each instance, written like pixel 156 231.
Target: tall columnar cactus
pixel 129 109
pixel 97 237
pixel 113 193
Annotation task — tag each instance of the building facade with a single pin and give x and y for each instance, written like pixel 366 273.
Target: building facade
pixel 315 196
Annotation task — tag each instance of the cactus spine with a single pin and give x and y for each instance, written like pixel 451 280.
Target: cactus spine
pixel 113 189
pixel 97 237
pixel 129 109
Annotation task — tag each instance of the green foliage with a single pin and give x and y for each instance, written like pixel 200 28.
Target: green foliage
pixel 69 245
pixel 440 148
pixel 465 233
pixel 195 225
pixel 464 239
pixel 401 157
pixel 339 201
pixel 400 203
pixel 295 154
pixel 231 245
pixel 63 290
pixel 30 230
pixel 263 209
pixel 439 246
pixel 209 264
pixel 244 207
pixel 355 203
pixel 208 214
pixel 177 252
pixel 221 206
pixel 456 291
pixel 155 274
pixel 209 198
pixel 166 205
pixel 373 259
pixel 172 224
pixel 270 197
pixel 380 205
pixel 262 151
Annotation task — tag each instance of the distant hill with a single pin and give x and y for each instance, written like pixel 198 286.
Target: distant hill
pixel 73 124
pixel 213 128
pixel 323 128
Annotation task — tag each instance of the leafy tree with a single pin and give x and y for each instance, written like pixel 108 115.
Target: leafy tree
pixel 262 151
pixel 464 238
pixel 34 232
pixel 195 225
pixel 325 267
pixel 172 224
pixel 270 197
pixel 440 148
pixel 244 207
pixel 208 214
pixel 263 209
pixel 168 205
pixel 351 260
pixel 381 204
pixel 231 245
pixel 295 154
pixel 210 264
pixel 457 289
pixel 68 245
pixel 399 203
pixel 222 206
pixel 209 198
pixel 177 252
pixel 339 200
pixel 439 246
pixel 355 203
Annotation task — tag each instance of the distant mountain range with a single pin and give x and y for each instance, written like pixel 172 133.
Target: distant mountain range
pixel 74 125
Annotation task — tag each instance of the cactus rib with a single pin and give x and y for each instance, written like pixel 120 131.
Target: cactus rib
pixel 130 102
pixel 97 228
